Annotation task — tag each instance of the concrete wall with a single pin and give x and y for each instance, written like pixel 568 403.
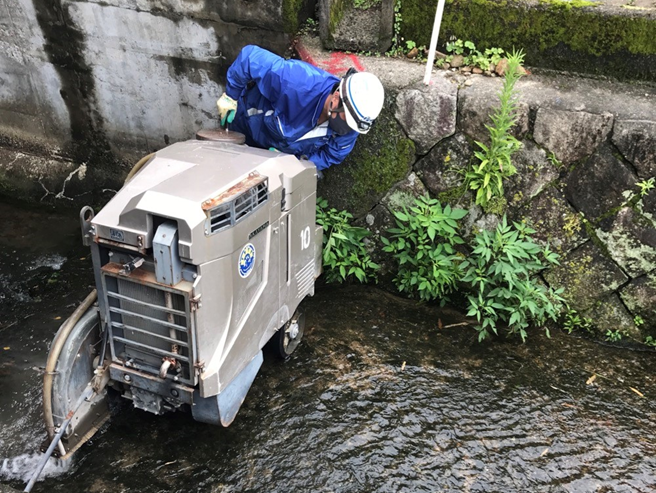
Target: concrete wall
pixel 106 81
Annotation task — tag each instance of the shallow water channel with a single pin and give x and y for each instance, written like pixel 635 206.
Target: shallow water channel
pixel 377 398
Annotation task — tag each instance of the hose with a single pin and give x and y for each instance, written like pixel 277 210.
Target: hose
pixel 65 330
pixel 138 166
pixel 53 356
pixel 88 392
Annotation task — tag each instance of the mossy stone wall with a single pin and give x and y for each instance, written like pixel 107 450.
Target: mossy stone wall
pixel 380 159
pixel 554 34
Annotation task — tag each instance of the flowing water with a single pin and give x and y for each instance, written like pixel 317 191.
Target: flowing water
pixel 378 398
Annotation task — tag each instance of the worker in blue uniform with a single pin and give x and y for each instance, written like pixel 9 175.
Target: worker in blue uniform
pixel 297 108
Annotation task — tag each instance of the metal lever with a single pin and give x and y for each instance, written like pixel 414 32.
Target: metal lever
pixel 132 265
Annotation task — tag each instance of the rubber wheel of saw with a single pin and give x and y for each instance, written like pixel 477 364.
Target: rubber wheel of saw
pixel 287 339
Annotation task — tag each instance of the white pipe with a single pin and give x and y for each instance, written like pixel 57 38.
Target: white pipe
pixel 433 43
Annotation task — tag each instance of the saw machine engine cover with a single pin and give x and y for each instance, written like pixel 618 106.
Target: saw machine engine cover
pixel 199 260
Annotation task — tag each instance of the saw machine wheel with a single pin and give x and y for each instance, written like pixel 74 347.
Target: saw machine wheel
pixel 286 340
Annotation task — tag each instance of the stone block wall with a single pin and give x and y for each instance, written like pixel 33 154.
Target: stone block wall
pixel 586 146
pixel 366 25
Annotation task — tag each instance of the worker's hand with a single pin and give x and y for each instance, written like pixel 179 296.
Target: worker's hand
pixel 227 109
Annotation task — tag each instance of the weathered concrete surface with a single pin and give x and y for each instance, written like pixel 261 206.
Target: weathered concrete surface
pixel 428 112
pixel 345 26
pixel 107 82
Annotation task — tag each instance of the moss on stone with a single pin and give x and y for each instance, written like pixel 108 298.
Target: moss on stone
pixel 291 10
pixel 337 8
pixel 400 199
pixel 379 160
pixel 452 195
pixel 376 168
pixel 496 206
pixel 592 233
pixel 554 34
pixel 366 4
pixel 572 225
pixel 568 4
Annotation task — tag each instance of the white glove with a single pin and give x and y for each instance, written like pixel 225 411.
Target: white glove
pixel 227 109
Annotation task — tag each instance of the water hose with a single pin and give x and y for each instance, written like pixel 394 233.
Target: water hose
pixel 53 356
pixel 138 166
pixel 88 392
pixel 65 330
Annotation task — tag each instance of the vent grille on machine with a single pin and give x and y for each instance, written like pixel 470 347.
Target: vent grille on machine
pixel 230 213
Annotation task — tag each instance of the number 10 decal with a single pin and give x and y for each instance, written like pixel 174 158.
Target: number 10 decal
pixel 305 238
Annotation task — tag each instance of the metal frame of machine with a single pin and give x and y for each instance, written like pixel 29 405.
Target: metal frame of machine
pixel 200 260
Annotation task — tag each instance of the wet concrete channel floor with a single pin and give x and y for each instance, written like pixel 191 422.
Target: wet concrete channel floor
pixel 376 399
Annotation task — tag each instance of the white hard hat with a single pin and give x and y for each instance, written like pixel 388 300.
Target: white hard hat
pixel 363 96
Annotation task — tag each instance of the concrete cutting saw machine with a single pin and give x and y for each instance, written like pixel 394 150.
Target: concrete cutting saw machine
pixel 200 260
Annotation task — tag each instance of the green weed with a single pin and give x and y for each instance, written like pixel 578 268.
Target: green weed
pixel 486 177
pixel 501 271
pixel 423 244
pixel 344 254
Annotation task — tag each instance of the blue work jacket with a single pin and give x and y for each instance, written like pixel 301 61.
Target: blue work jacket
pixel 279 104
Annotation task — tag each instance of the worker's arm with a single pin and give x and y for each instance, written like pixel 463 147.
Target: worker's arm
pixel 266 69
pixel 334 152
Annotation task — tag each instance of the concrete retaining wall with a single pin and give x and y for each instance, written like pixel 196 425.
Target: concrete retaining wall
pixel 104 82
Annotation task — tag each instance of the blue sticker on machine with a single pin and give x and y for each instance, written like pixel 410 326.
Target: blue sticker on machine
pixel 246 260
pixel 116 234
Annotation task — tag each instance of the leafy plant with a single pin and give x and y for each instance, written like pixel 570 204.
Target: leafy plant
pixel 650 341
pixel 471 55
pixel 344 254
pixel 365 4
pixel 573 321
pixel 554 160
pixel 613 335
pixel 638 321
pixel 397 39
pixel 486 176
pixel 501 272
pixel 423 245
pixel 645 186
pixel 410 45
pixel 310 26
pixel 456 47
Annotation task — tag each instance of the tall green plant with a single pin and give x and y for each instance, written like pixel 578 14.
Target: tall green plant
pixel 501 272
pixel 345 256
pixel 423 245
pixel 494 161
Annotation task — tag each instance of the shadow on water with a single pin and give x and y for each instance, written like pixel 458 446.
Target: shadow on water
pixel 377 398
